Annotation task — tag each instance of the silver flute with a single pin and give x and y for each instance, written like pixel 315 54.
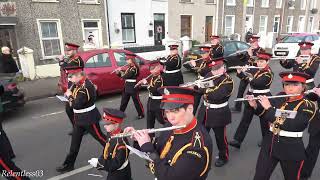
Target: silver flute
pixel 269 97
pixel 188 84
pixel 248 67
pixel 150 131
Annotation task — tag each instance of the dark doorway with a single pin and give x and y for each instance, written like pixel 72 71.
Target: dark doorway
pixel 159 28
pixel 209 22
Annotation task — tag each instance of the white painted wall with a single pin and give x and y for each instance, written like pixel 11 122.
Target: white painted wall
pixel 143 10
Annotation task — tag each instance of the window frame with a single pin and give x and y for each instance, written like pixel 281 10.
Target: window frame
pixel 88 2
pixel 134 28
pixel 312 23
pixel 281 1
pixel 274 18
pixel 265 24
pixel 299 25
pixel 45 1
pixel 60 37
pixel 233 23
pixel 268 4
pixel 251 5
pixel 289 25
pixel 99 29
pixel 303 5
pixel 233 3
pixel 191 30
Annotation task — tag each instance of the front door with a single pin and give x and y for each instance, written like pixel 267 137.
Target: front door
pixel 209 22
pixel 249 23
pixel 159 28
pixel 8 38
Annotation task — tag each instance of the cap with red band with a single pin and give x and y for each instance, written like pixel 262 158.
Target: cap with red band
pixel 214 37
pixel 113 116
pixel 130 56
pixel 290 76
pixel 264 55
pixel 71 46
pixel 254 38
pixel 174 97
pixel 305 45
pixel 217 62
pixel 173 46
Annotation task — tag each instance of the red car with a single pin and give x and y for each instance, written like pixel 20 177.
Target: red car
pixel 100 63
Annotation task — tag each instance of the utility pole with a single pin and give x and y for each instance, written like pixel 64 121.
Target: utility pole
pixel 244 20
pixel 281 19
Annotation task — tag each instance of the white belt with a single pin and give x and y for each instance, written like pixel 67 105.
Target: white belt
pixel 124 165
pixel 79 111
pixel 256 91
pixel 215 106
pixel 131 80
pixel 155 97
pixel 310 80
pixel 288 133
pixel 173 71
pixel 200 77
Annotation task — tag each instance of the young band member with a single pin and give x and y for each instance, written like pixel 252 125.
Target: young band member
pixel 115 154
pixel 172 74
pixel 309 67
pixel 82 97
pixel 217 111
pixel 248 58
pixel 130 76
pixel 283 142
pixel 260 81
pixel 217 49
pixel 175 151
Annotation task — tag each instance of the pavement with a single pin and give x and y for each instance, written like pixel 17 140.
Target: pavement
pixel 38 133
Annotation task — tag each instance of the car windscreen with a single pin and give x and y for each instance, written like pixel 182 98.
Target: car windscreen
pixel 293 39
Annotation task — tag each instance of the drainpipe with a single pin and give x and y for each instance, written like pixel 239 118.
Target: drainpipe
pixel 222 17
pixel 106 7
pixel 216 18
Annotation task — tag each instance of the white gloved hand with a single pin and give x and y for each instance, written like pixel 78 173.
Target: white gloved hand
pixel 93 162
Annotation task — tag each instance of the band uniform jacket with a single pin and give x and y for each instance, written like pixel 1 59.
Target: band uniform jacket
pixel 245 57
pixel 76 60
pixel 287 148
pixel 174 152
pixel 203 67
pixel 216 51
pixel 172 63
pixel 131 73
pixel 261 80
pixel 309 67
pixel 314 126
pixel 155 83
pixel 84 96
pixel 115 160
pixel 218 94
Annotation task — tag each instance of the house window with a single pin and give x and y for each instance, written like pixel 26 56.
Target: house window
pixel 289 24
pixel 276 22
pixel 310 24
pixel 263 24
pixel 229 25
pixel 278 3
pixel 92 32
pixel 301 24
pixel 313 4
pixel 186 1
pixel 45 1
pixel 250 3
pixel 50 38
pixel 303 4
pixel 128 28
pixel 186 25
pixel 210 1
pixel 264 3
pixel 231 2
pixel 89 1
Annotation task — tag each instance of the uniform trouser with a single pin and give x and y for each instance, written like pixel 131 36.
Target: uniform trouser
pixel 197 99
pixel 242 87
pixel 78 131
pixel 312 152
pixel 152 115
pixel 124 174
pixel 243 127
pixel 9 170
pixel 70 113
pixel 7 147
pixel 136 100
pixel 266 164
pixel 221 139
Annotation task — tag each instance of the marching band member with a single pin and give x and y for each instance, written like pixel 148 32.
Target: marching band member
pixel 175 151
pixel 217 49
pixel 82 99
pixel 313 148
pixel 260 83
pixel 172 75
pixel 115 158
pixel 283 142
pixel 299 65
pixel 130 76
pixel 217 111
pixel 248 58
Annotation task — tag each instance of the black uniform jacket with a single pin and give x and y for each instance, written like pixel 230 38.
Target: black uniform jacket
pixel 183 154
pixel 75 60
pixel 155 83
pixel 287 148
pixel 245 57
pixel 314 126
pixel 131 73
pixel 84 96
pixel 172 63
pixel 216 51
pixel 203 67
pixel 218 94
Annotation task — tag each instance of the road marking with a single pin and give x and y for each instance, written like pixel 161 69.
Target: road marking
pixel 46 115
pixel 71 173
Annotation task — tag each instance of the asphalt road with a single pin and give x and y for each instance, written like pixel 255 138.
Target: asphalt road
pixel 39 131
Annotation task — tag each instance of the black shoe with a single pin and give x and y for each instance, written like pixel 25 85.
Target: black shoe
pixel 70 133
pixel 260 143
pixel 235 109
pixel 12 156
pixel 64 168
pixel 85 132
pixel 220 162
pixel 235 143
pixel 141 116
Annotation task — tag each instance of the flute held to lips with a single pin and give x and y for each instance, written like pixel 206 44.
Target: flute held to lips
pixel 269 97
pixel 248 67
pixel 150 131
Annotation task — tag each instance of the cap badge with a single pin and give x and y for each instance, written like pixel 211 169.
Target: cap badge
pixel 290 76
pixel 166 91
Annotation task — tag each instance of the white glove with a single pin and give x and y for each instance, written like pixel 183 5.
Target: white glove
pixel 93 162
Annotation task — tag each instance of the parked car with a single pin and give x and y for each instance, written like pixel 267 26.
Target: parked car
pixel 230 47
pixel 288 47
pixel 12 98
pixel 99 65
